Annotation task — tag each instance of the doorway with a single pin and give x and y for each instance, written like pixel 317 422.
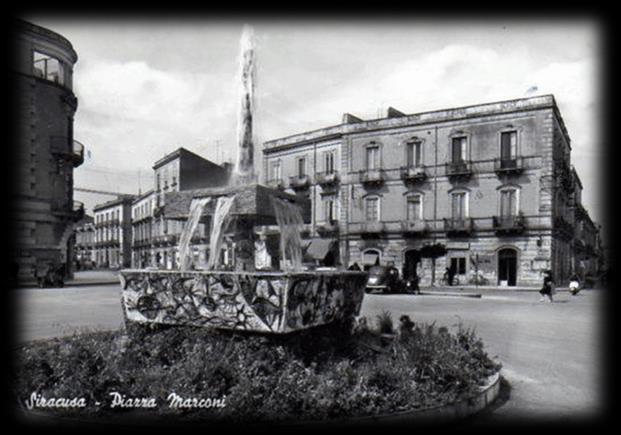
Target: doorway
pixel 507 266
pixel 410 263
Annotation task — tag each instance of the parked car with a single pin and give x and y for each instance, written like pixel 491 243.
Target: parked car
pixel 384 279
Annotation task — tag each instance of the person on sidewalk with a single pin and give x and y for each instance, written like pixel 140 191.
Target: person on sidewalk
pixel 574 285
pixel 548 287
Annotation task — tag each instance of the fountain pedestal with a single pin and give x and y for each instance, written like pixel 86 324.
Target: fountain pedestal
pixel 243 299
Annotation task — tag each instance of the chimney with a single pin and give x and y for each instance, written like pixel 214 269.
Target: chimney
pixel 394 113
pixel 348 118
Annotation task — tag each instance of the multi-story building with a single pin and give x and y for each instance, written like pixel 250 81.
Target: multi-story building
pixel 177 171
pixel 142 227
pixel 490 185
pixel 113 233
pixel 44 212
pixel 85 242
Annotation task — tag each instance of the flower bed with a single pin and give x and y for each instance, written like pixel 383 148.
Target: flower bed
pixel 193 374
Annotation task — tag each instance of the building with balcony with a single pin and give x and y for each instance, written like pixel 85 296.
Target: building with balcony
pixel 491 185
pixel 44 213
pixel 113 233
pixel 85 243
pixel 156 239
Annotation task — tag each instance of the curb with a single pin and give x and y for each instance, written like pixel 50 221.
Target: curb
pixel 467 407
pixel 67 284
pixel 439 293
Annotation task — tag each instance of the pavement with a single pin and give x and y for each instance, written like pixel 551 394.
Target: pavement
pixel 83 278
pixel 552 353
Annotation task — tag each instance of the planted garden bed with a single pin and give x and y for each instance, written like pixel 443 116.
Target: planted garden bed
pixel 195 374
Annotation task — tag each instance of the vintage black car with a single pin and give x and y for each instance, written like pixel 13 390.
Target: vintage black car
pixel 384 279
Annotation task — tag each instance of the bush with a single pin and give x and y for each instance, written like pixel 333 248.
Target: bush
pixel 314 375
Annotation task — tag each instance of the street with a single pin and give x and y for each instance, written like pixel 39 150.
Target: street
pixel 551 353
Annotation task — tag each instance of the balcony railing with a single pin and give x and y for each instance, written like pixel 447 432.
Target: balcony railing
pixel 372 177
pixel 504 225
pixel 327 178
pixel 414 227
pixel 462 169
pixel 66 149
pixel 299 181
pixel 373 227
pixel 513 166
pixel 413 173
pixel 328 227
pixel 458 227
pixel 276 183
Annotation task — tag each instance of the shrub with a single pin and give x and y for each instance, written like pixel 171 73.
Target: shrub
pixel 316 374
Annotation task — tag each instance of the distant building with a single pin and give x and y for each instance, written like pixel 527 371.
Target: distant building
pixel 85 242
pixel 113 233
pixel 491 183
pixel 156 239
pixel 44 212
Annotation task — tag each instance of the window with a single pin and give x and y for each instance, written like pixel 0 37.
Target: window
pixel 158 181
pixel 329 208
pixel 508 202
pixel 373 157
pixel 414 155
pixel 372 210
pixel 458 205
pixel 329 162
pixel 48 68
pixel 301 166
pixel 458 149
pixel 414 207
pixel 458 264
pixel 508 145
pixel 275 171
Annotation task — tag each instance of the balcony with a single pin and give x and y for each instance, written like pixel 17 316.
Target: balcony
pixel 413 174
pixel 165 239
pixel 299 182
pixel 327 179
pixel 514 166
pixel 78 210
pixel 276 183
pixel 459 170
pixel 508 225
pixel 327 228
pixel 373 228
pixel 458 227
pixel 372 177
pixel 64 148
pixel 414 228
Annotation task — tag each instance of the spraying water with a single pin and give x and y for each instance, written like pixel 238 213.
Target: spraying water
pixel 290 221
pixel 196 210
pixel 244 168
pixel 221 220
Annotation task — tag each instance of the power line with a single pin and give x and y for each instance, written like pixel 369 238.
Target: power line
pixel 101 192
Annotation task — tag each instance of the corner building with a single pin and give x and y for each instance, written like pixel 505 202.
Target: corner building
pixel 491 183
pixel 44 213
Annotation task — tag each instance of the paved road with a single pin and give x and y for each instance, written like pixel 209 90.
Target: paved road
pixel 551 353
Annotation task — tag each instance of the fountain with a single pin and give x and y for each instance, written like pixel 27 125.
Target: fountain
pixel 246 294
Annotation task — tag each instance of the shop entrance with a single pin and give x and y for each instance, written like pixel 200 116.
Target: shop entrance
pixel 507 266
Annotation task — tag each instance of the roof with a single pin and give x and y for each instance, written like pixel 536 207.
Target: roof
pixel 125 199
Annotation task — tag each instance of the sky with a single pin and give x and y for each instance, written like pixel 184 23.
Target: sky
pixel 146 88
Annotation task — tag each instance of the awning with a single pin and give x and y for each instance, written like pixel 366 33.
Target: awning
pixel 369 258
pixel 319 248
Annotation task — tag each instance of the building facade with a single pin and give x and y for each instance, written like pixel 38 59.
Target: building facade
pixel 156 238
pixel 113 233
pixel 492 184
pixel 44 212
pixel 85 243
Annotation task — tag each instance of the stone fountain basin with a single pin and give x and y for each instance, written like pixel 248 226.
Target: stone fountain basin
pixel 270 302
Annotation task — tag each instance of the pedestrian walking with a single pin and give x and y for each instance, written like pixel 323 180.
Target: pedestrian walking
pixel 547 290
pixel 574 284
